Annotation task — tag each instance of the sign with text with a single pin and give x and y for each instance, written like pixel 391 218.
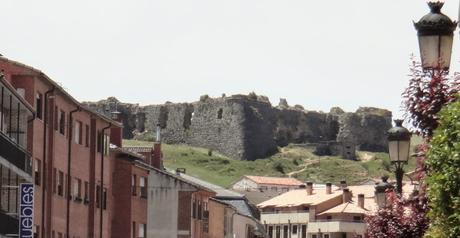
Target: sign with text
pixel 26 210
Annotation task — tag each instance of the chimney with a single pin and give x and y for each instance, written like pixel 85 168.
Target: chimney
pixel 346 197
pixel 361 200
pixel 157 155
pixel 343 184
pixel 116 133
pixel 328 188
pixel 309 188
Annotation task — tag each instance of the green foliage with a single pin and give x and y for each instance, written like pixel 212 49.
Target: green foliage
pixel 444 174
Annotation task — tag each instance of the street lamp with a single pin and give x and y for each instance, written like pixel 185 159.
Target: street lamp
pixel 399 148
pixel 380 191
pixel 435 36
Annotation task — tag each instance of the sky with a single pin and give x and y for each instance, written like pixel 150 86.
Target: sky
pixel 319 54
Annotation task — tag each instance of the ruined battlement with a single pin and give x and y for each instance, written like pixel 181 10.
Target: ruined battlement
pixel 248 127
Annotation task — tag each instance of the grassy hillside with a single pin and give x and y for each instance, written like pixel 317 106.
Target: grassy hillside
pixel 291 160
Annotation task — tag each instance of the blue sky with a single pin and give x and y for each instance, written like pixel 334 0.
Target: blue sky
pixel 318 54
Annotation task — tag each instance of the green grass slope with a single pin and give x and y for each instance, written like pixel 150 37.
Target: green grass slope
pixel 292 160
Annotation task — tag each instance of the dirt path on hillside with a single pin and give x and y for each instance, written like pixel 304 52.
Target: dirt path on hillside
pixel 305 166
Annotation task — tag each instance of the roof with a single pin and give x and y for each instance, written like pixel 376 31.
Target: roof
pixel 300 197
pixel 220 191
pixel 349 207
pixel 241 205
pixel 132 154
pixel 258 196
pixel 138 149
pixel 60 89
pixel 274 180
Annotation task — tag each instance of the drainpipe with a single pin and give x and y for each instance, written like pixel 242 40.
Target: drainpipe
pixel 45 121
pixel 101 194
pixel 69 160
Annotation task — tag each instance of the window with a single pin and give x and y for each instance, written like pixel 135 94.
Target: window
pixel 143 185
pixel 86 135
pixel 356 218
pixel 106 144
pixel 304 231
pixel 294 229
pixel 278 232
pixel 193 208
pixel 134 229
pixel 104 199
pixel 78 138
pixel 133 184
pixel 77 189
pixel 263 188
pixel 219 113
pixel 270 231
pixel 99 141
pixel 329 218
pixel 142 230
pixel 86 199
pixel 37 171
pixel 54 179
pixel 314 236
pixel 285 231
pixel 39 105
pixel 62 122
pixel 98 196
pixel 359 236
pixel 199 211
pixel 326 236
pixel 60 184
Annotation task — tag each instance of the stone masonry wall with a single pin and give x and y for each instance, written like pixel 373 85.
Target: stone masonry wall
pixel 248 127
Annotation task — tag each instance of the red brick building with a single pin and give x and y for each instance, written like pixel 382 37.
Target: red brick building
pixel 130 187
pixel 70 150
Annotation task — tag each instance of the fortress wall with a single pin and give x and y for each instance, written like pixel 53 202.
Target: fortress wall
pixel 248 127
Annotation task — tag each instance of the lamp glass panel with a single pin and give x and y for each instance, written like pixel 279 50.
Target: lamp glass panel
pixel 429 51
pixel 404 147
pixel 381 199
pixel 399 150
pixel 446 51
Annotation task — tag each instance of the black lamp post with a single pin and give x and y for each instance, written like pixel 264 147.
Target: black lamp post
pixel 435 37
pixel 399 148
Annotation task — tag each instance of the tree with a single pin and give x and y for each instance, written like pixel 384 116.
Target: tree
pixel 426 95
pixel 401 218
pixel 443 178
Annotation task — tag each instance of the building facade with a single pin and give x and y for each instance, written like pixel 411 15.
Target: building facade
pixel 15 158
pixel 319 213
pixel 130 191
pixel 250 183
pixel 69 145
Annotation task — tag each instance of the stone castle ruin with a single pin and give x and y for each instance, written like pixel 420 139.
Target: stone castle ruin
pixel 248 127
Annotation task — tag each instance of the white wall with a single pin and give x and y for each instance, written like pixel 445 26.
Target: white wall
pixel 163 202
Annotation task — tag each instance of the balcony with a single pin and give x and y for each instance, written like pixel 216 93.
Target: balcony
pixel 336 226
pixel 14 154
pixel 285 217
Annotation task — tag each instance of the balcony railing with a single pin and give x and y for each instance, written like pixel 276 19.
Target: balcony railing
pixel 14 154
pixel 336 226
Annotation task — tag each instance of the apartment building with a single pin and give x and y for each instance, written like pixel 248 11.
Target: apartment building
pixel 130 192
pixel 319 213
pixel 69 146
pixel 261 183
pixel 16 115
